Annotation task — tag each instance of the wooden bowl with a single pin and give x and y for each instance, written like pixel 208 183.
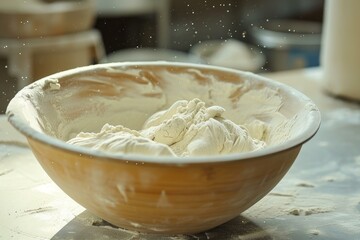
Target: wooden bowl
pixel 146 193
pixel 41 18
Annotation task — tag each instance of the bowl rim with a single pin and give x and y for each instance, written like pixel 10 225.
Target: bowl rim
pixel 311 128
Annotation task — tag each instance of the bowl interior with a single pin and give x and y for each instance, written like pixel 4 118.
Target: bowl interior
pixel 84 99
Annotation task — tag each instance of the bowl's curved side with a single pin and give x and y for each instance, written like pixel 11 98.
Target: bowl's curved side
pixel 152 197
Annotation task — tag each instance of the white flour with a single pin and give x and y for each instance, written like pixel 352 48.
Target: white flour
pixel 187 128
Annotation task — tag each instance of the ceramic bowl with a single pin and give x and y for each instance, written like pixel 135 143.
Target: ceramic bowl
pixel 147 193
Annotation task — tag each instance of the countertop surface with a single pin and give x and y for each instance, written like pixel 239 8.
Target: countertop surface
pixel 319 198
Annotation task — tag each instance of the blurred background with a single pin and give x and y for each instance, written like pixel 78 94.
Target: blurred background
pixel 41 37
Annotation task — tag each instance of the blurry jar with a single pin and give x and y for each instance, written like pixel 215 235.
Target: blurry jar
pixel 340 53
pixel 288 43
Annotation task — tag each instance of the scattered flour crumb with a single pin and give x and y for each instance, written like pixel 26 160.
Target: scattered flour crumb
pixel 307 185
pixel 52 85
pixel 308 211
pixel 314 232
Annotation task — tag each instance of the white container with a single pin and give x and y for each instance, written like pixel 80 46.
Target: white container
pixel 340 53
